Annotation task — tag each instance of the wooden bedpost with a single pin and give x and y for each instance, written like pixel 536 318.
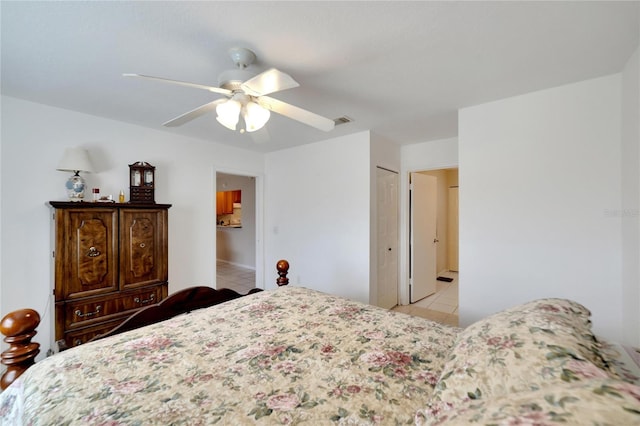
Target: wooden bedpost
pixel 283 269
pixel 19 327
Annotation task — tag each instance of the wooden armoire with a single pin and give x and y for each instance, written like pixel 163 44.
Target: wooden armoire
pixel 109 260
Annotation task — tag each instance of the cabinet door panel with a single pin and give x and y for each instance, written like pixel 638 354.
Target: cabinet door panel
pixel 228 202
pixel 225 200
pixel 87 261
pixel 142 249
pixel 143 238
pixel 219 202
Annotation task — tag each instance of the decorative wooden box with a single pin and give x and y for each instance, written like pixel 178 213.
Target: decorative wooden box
pixel 142 182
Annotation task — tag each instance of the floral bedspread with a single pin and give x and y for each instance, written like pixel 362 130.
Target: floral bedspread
pixel 286 356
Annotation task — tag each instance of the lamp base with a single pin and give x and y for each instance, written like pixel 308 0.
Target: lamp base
pixel 75 188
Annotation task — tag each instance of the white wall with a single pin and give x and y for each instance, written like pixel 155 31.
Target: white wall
pixel 630 211
pixel 438 154
pixel 238 245
pixel 317 216
pixel 550 229
pixel 33 139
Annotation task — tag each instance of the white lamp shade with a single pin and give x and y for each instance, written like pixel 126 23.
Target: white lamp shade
pixel 75 160
pixel 229 113
pixel 255 116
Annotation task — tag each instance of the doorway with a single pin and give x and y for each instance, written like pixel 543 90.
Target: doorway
pixel 443 302
pixel 235 220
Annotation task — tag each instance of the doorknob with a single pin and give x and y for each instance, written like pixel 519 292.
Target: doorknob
pixel 435 240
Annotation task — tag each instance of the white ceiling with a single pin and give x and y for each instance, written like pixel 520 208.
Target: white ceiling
pixel 400 69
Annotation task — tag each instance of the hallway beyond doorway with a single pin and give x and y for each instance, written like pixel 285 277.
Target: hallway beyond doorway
pixel 234 277
pixel 442 306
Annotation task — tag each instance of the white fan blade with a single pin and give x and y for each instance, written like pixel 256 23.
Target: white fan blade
pixel 298 114
pixel 267 82
pixel 195 113
pixel 183 83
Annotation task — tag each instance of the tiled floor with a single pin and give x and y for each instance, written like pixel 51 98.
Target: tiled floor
pixel 442 306
pixel 234 277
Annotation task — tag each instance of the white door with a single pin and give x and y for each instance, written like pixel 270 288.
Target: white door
pixel 387 245
pixel 423 237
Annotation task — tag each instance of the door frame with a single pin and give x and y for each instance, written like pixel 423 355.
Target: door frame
pixel 259 240
pixel 403 286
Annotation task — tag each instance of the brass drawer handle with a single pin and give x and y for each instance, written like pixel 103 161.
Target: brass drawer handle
pixel 93 252
pixel 144 301
pixel 79 313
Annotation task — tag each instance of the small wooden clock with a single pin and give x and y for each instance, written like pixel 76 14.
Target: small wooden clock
pixel 141 182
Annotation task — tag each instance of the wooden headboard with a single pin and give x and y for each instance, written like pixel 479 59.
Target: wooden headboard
pixel 19 326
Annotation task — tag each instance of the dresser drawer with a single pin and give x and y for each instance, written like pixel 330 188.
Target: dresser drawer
pixel 83 335
pixel 82 313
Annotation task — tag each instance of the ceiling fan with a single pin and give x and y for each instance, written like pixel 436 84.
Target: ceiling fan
pixel 245 97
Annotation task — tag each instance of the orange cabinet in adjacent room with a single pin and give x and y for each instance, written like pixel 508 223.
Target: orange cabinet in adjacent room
pixel 225 200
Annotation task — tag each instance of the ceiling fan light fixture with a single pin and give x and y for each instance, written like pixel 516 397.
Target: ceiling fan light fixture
pixel 248 97
pixel 229 113
pixel 255 116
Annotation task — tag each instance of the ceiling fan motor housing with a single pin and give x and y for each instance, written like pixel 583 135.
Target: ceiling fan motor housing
pixel 242 57
pixel 232 79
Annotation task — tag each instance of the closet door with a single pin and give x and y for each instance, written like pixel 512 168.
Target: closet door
pixel 143 247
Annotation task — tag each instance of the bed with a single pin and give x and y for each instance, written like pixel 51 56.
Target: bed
pixel 294 355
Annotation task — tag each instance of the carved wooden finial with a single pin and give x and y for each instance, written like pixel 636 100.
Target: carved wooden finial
pixel 19 327
pixel 283 269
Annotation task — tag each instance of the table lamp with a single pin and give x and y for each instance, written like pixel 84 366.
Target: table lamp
pixel 75 160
